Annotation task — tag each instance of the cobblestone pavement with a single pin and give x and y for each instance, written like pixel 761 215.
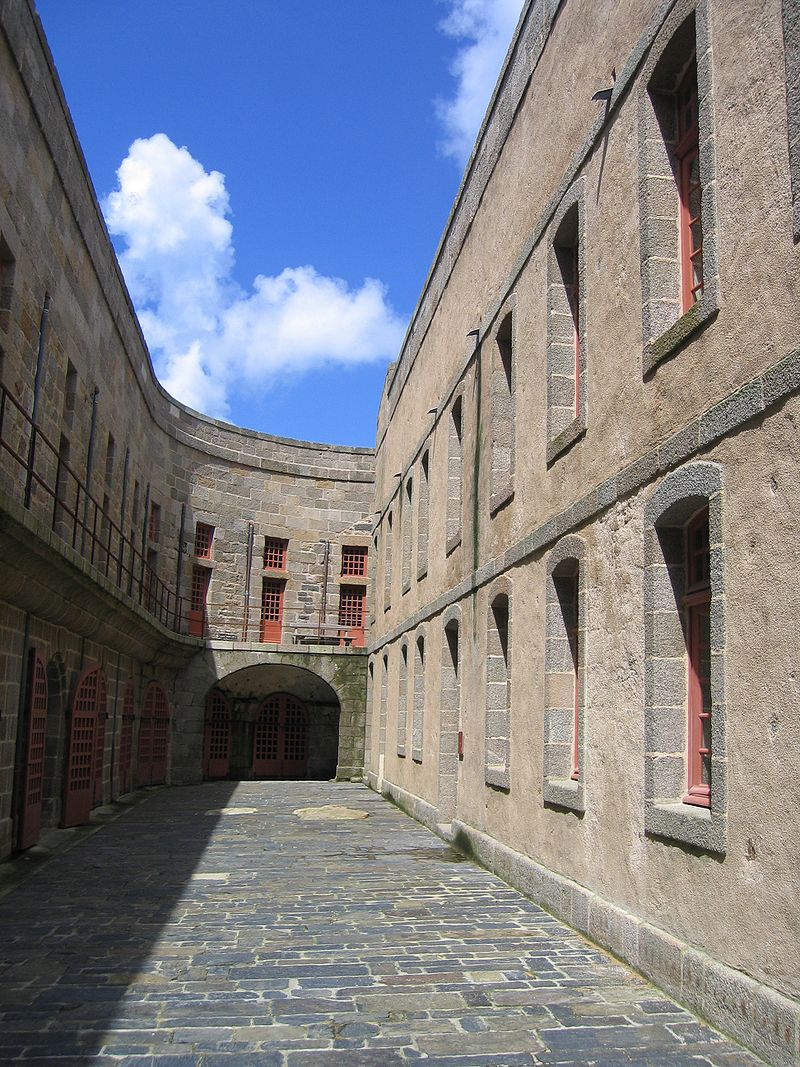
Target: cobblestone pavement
pixel 182 935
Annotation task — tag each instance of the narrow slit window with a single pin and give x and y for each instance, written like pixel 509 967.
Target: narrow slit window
pixel 687 160
pixel 697 613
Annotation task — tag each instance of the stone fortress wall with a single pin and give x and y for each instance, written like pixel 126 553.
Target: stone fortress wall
pixel 105 579
pixel 530 677
pixel 530 632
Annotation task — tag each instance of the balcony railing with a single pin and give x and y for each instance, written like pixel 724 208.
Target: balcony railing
pixel 37 474
pixel 34 472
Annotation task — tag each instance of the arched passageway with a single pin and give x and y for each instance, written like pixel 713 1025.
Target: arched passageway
pixel 271 721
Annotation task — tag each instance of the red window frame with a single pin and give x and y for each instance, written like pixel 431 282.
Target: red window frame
pixel 697 610
pixel 354 560
pixel 203 540
pixel 275 553
pixel 574 645
pixel 352 602
pixel 687 158
pixel 272 596
pixel 154 523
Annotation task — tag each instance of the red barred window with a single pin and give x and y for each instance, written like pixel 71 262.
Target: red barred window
pixel 697 607
pixel 154 528
pixel 275 553
pixel 354 560
pixel 351 607
pixel 203 538
pixel 687 156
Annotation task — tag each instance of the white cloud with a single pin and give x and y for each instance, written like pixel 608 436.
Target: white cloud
pixel 485 28
pixel 209 337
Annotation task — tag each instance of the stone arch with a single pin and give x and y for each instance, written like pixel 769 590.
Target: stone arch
pixel 333 683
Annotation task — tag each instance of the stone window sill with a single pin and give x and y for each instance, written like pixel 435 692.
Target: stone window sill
pixel 688 824
pixel 564 793
pixel 452 544
pixel 401 751
pixel 498 777
pixel 500 499
pixel 563 441
pixel 660 348
pixel 416 755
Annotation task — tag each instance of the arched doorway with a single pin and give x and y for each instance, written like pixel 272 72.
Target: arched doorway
pixel 271 720
pixel 33 777
pixel 84 775
pixel 153 751
pixel 280 744
pixel 217 736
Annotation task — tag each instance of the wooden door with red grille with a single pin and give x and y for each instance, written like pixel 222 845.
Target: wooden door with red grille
pixel 79 788
pixel 126 740
pixel 99 743
pixel 201 576
pixel 217 736
pixel 272 593
pixel 33 781
pixel 153 755
pixel 280 747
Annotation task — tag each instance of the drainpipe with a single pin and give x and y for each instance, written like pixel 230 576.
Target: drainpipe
pixel 122 504
pixel 248 569
pixel 37 389
pixel 179 567
pixel 89 465
pixel 323 608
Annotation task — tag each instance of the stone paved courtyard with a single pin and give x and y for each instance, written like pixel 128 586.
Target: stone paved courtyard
pixel 185 934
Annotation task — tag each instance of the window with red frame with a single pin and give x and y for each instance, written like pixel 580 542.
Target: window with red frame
pixel 697 609
pixel 351 613
pixel 154 525
pixel 272 610
pixel 275 553
pixel 354 560
pixel 690 191
pixel 203 540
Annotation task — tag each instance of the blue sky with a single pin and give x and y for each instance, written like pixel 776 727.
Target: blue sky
pixel 276 175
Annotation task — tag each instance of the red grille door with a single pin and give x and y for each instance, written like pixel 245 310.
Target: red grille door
pixel 81 763
pixel 31 820
pixel 280 748
pixel 217 737
pixel 154 737
pixel 126 740
pixel 99 743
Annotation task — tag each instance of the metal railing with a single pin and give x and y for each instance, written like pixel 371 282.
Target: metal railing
pixel 219 623
pixel 36 473
pixel 51 489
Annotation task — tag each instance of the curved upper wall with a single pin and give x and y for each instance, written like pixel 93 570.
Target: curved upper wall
pixel 154 468
pixel 29 53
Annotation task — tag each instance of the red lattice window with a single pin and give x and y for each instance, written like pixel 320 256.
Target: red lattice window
pixel 203 539
pixel 266 739
pixel 275 553
pixel 351 612
pixel 697 607
pixel 154 524
pixel 687 156
pixel 272 609
pixel 354 560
